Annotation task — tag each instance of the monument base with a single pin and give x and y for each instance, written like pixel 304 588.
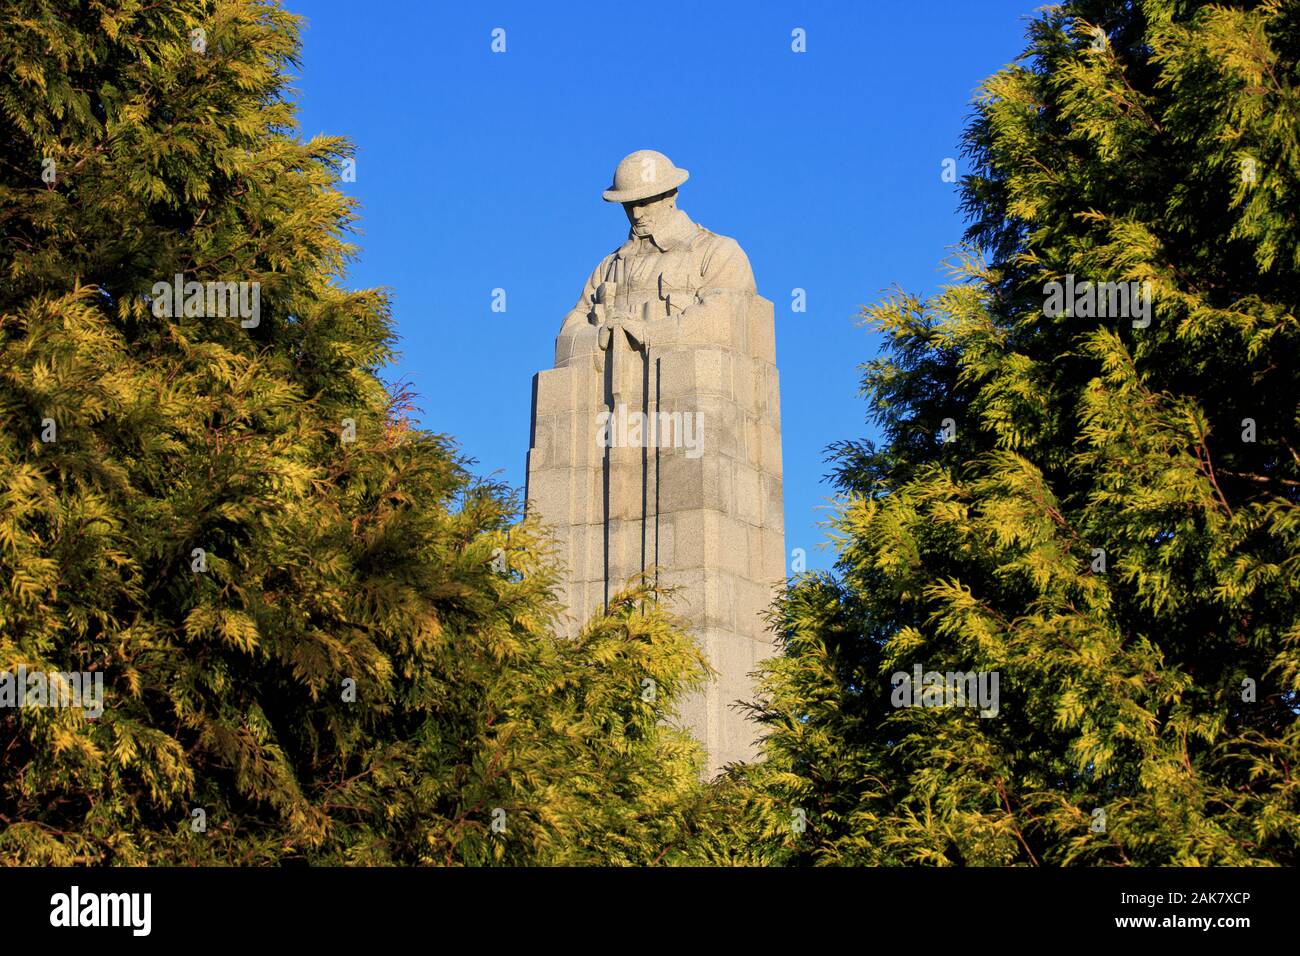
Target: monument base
pixel 693 500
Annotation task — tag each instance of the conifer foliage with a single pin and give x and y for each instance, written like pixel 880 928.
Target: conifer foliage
pixel 1101 506
pixel 319 637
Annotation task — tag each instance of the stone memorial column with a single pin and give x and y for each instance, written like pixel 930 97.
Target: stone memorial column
pixel 656 441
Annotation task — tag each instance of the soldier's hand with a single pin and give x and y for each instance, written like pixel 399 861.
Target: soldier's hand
pixel 613 322
pixel 636 331
pixel 610 323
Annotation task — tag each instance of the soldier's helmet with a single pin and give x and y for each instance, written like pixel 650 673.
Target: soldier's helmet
pixel 643 174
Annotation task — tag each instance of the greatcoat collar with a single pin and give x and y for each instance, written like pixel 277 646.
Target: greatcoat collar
pixel 676 229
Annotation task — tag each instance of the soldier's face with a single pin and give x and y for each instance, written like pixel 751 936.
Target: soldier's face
pixel 645 214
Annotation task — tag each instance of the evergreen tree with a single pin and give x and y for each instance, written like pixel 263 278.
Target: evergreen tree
pixel 1103 510
pixel 319 636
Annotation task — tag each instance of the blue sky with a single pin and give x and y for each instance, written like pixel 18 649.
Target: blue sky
pixel 479 170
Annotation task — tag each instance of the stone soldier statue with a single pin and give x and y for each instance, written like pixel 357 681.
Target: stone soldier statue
pixel 656 440
pixel 668 262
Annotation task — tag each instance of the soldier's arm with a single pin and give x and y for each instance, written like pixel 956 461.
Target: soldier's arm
pixel 578 335
pixel 725 268
pixel 726 287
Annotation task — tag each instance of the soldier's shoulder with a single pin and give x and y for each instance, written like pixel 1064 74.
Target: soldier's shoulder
pixel 603 265
pixel 716 239
pixel 717 245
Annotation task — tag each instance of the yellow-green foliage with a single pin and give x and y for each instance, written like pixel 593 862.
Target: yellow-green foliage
pixel 1119 156
pixel 367 667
